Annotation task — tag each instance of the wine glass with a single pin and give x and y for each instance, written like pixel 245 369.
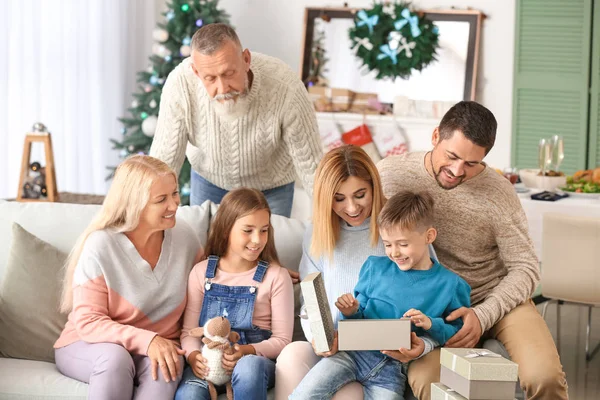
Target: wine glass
pixel 558 152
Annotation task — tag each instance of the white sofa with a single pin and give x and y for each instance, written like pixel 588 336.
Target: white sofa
pixel 60 225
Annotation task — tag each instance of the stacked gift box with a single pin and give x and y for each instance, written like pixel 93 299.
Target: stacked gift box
pixel 475 374
pixel 327 99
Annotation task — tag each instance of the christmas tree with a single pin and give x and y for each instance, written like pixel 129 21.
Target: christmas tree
pixel 173 39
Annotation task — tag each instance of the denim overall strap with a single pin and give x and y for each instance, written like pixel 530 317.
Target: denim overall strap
pixel 212 266
pixel 261 270
pixel 234 302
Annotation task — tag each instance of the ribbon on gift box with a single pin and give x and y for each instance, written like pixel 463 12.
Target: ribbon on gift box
pixel 473 354
pixel 482 353
pixel 447 394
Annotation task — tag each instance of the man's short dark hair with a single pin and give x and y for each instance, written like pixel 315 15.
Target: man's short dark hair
pixel 476 123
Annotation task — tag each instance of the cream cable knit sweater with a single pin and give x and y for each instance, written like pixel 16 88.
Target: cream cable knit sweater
pixel 263 149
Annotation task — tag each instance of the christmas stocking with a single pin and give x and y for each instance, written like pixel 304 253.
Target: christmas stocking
pixel 390 142
pixel 361 136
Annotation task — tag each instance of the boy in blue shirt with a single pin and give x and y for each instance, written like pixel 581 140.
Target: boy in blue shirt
pixel 406 283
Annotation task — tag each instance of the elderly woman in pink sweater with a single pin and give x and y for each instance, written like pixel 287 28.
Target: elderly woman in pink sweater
pixel 125 289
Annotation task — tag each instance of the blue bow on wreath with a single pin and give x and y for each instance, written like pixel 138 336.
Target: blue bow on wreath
pixel 413 21
pixel 366 20
pixel 386 51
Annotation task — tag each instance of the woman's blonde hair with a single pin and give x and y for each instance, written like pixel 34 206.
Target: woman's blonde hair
pixel 237 204
pixel 121 209
pixel 334 169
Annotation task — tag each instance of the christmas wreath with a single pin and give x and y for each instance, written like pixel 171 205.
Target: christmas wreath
pixel 393 40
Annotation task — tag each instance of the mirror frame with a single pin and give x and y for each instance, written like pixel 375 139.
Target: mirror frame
pixel 473 17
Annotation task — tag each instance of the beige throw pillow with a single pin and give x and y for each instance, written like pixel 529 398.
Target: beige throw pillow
pixel 30 321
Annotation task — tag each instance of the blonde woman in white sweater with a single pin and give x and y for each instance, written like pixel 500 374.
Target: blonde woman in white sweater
pixel 245 120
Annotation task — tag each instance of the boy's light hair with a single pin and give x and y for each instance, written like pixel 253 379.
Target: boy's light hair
pixel 336 167
pixel 407 211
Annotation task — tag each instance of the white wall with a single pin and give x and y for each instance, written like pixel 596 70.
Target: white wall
pixel 276 27
pixel 71 65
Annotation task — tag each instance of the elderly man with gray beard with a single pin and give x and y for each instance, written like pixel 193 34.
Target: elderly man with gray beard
pixel 242 120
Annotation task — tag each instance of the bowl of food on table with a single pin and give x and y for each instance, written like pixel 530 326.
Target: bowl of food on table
pixel 583 183
pixel 548 180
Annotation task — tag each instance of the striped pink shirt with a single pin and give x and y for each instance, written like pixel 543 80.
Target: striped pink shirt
pixel 118 298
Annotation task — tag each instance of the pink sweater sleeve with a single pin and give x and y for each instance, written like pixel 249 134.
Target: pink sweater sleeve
pixel 191 316
pixel 93 325
pixel 282 317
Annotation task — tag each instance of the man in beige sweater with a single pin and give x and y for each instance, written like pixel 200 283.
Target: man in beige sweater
pixel 245 120
pixel 483 237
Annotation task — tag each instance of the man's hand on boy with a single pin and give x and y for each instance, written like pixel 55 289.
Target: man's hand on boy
pixel 334 347
pixel 417 347
pixel 347 304
pixel 468 336
pixel 419 319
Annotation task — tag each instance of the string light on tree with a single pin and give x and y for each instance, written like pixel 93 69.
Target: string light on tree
pixel 152 103
pixel 185 51
pixel 160 35
pixel 185 7
pixel 199 22
pixel 144 115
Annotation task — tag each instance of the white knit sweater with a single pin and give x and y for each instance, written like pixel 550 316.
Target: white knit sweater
pixel 277 138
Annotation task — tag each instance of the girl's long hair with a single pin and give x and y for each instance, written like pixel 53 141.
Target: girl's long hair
pixel 237 204
pixel 335 168
pixel 121 209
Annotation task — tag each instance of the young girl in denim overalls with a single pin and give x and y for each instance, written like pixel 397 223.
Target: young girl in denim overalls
pixel 241 280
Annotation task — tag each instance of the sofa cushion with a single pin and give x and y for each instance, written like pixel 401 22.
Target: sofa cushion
pixel 58 224
pixel 30 321
pixel 36 380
